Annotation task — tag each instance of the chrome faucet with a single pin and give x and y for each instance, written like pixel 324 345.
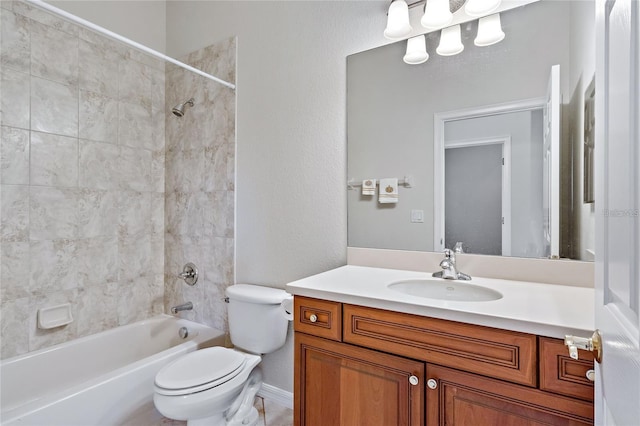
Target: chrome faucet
pixel 184 307
pixel 449 271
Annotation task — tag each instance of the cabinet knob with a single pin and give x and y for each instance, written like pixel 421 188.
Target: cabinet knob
pixel 432 383
pixel 313 318
pixel 414 380
pixel 591 375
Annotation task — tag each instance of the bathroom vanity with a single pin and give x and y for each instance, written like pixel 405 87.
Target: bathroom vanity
pixel 368 354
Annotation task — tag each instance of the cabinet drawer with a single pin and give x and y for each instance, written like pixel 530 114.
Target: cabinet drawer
pixel 318 317
pixel 559 373
pixel 497 353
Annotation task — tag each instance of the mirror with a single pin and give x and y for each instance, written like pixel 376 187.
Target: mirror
pixel 397 111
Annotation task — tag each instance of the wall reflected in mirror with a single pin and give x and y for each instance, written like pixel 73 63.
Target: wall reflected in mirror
pixel 391 108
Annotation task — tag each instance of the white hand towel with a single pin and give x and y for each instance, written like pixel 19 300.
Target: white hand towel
pixel 369 187
pixel 388 191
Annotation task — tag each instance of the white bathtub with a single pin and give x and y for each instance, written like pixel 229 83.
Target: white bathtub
pixel 102 379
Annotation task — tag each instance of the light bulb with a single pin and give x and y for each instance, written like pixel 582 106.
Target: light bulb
pixel 398 25
pixel 477 8
pixel 450 43
pixel 416 51
pixel 436 14
pixel 489 31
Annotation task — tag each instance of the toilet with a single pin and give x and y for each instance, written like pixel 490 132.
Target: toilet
pixel 217 386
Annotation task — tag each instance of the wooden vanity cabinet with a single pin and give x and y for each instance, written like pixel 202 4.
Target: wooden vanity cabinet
pixel 347 385
pixel 363 366
pixel 340 384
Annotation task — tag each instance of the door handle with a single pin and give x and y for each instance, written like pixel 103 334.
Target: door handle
pixel 592 344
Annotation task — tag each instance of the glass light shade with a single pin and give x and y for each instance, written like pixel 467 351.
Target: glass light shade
pixel 416 51
pixel 398 21
pixel 436 14
pixel 450 43
pixel 489 31
pixel 477 8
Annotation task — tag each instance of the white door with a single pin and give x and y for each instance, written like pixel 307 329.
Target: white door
pixel 617 152
pixel 551 171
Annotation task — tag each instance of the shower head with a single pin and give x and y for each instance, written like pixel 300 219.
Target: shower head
pixel 178 110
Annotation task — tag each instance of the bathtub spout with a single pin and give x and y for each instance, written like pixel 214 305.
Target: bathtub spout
pixel 184 307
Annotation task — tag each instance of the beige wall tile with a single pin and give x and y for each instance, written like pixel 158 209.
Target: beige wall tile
pixel 15 42
pixel 54 160
pixel 54 107
pixel 14 156
pixel 15 101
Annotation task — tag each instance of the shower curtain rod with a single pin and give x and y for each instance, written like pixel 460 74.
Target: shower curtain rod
pixel 111 34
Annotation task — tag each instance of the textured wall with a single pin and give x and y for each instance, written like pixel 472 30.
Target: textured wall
pixel 82 195
pixel 200 183
pixel 143 21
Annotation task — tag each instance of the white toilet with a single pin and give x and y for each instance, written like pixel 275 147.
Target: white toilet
pixel 217 386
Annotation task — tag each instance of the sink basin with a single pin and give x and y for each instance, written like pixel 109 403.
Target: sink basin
pixel 445 290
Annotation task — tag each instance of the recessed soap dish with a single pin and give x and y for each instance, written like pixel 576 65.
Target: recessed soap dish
pixel 54 316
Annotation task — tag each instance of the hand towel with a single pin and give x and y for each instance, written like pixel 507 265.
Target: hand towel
pixel 388 191
pixel 369 187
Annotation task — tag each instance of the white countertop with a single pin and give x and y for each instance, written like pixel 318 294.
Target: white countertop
pixel 543 309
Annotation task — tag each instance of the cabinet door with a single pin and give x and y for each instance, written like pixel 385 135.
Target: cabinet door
pixel 460 399
pixel 340 384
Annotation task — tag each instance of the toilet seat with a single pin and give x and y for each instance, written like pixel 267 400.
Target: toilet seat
pixel 199 370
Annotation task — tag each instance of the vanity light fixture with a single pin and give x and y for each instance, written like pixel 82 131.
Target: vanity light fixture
pixel 450 41
pixel 436 14
pixel 398 25
pixel 416 51
pixel 489 31
pixel 479 8
pixel 439 14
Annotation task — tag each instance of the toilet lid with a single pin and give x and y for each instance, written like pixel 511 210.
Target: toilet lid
pixel 201 367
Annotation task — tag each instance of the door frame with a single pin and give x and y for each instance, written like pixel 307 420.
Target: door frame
pixel 505 142
pixel 439 121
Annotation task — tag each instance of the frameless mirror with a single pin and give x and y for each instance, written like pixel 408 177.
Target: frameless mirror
pixel 482 117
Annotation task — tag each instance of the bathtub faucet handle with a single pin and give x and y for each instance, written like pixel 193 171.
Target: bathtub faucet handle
pixel 189 274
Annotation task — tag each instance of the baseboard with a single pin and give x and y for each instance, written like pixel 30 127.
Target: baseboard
pixel 277 395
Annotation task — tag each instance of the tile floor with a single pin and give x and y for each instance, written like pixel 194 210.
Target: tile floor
pixel 271 414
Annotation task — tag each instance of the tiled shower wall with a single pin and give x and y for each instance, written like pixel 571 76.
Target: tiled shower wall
pixel 82 179
pixel 200 169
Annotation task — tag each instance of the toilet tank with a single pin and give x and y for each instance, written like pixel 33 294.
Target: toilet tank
pixel 257 321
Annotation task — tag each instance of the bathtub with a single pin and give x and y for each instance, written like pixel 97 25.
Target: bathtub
pixel 102 379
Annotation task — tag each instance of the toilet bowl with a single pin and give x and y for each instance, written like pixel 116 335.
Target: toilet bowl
pixel 217 386
pixel 203 385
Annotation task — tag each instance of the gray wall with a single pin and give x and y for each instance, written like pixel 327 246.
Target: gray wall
pixel 473 205
pixel 391 106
